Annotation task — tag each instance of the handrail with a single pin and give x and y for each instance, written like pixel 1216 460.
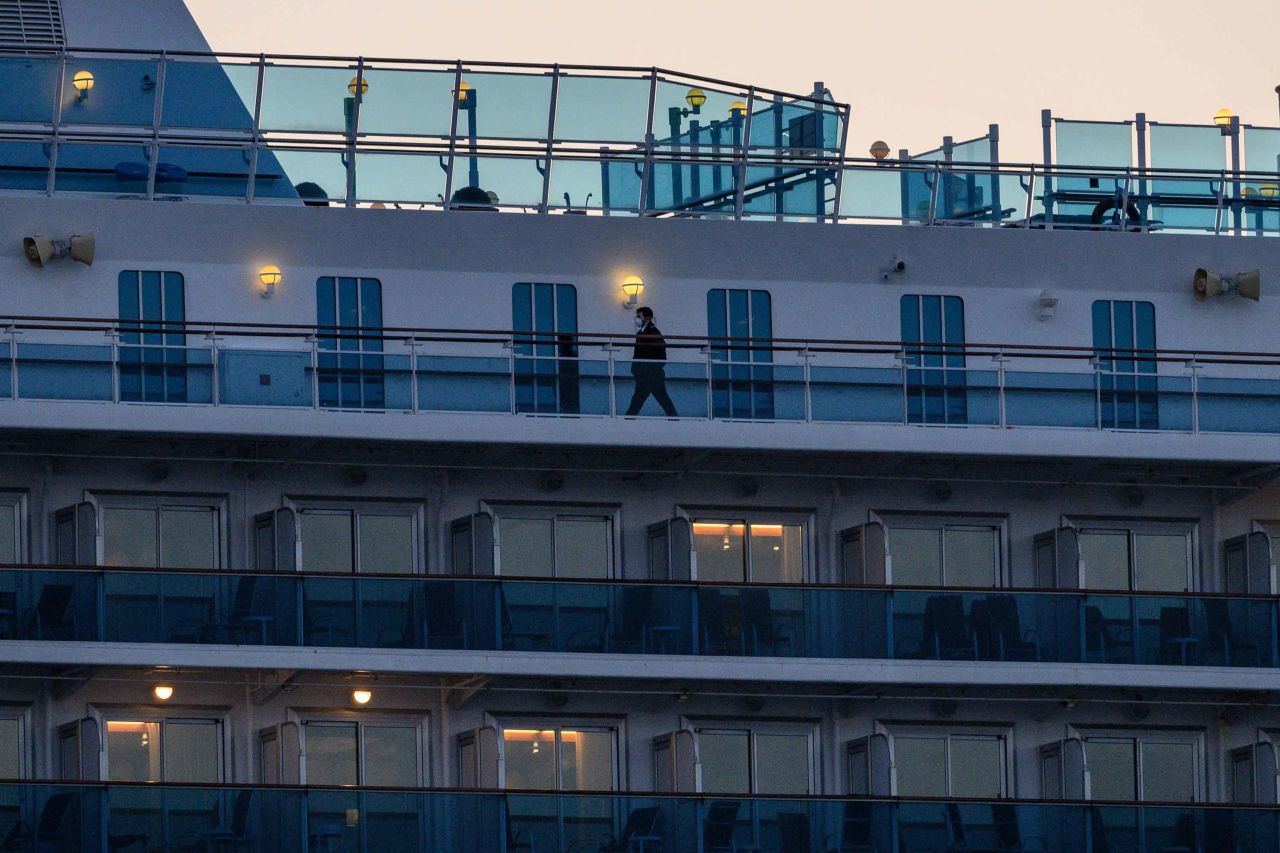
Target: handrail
pixel 414 334
pixel 422 577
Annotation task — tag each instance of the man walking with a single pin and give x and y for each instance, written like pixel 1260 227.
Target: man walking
pixel 648 365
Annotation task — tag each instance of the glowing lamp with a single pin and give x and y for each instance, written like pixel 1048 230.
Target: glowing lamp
pixel 358 83
pixel 1222 118
pixel 463 92
pixel 83 82
pixel 163 692
pixel 633 287
pixel 361 697
pixel 695 98
pixel 1269 190
pixel 879 149
pixel 269 276
pixel 737 109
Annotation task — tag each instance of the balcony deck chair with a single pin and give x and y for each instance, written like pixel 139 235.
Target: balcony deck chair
pixel 945 635
pixel 639 834
pixel 759 626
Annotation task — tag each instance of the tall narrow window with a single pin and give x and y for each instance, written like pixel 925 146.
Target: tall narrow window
pixel 349 317
pixel 933 344
pixel 12 538
pixel 740 324
pixel 1124 335
pixel 13 747
pixel 153 356
pixel 546 360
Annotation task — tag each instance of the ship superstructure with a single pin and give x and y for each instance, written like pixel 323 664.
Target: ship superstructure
pixel 323 524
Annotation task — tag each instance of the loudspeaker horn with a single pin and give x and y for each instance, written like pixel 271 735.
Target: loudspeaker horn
pixel 82 246
pixel 1206 284
pixel 1249 284
pixel 38 249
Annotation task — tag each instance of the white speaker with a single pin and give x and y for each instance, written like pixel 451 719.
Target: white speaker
pixel 38 249
pixel 1206 284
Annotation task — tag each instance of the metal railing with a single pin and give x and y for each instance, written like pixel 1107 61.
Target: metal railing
pixel 590 375
pixel 604 140
pixel 819 621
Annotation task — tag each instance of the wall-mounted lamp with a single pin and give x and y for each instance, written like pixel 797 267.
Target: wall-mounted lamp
pixel 163 692
pixel 463 92
pixel 361 696
pixel 737 109
pixel 1222 118
pixel 83 82
pixel 269 276
pixel 360 83
pixel 1047 302
pixel 879 149
pixel 633 287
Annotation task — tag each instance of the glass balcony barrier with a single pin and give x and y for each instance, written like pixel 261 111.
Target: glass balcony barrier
pixel 592 376
pixel 639 617
pixel 115 816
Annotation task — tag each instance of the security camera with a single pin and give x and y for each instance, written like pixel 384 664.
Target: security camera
pixel 884 275
pixel 899 265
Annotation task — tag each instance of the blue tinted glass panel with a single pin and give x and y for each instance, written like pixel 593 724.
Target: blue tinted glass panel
pixel 580 118
pixel 30 85
pixel 209 95
pixel 413 102
pixel 123 93
pixel 1090 143
pixel 305 98
pixel 507 106
pixel 200 171
pixel 413 178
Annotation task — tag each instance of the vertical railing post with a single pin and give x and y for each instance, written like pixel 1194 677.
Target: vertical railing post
pixel 711 402
pixel 1097 391
pixel 741 155
pixel 1194 367
pixel 216 393
pixel 1124 198
pixel 509 346
pixel 1000 358
pixel 314 342
pixel 609 350
pixel 1217 215
pixel 354 128
pixel 414 402
pixel 1031 198
pixel 646 176
pixel 551 138
pixel 453 133
pixel 156 107
pixel 808 388
pixel 256 143
pixel 13 361
pixel 57 123
pixel 113 335
pixel 901 358
pixel 933 192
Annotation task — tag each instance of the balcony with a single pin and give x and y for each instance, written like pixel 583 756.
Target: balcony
pixel 122 816
pixel 441 613
pixel 279 368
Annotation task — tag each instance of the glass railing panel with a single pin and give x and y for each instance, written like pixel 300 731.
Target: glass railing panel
pixel 30 84
pixel 209 96
pixel 317 176
pixel 145 607
pixel 796 128
pixel 123 92
pixel 408 102
pixel 306 98
pixel 329 611
pixel 561 385
pixel 393 822
pixel 465 384
pixel 6 371
pixel 686 383
pixel 883 193
pixel 1093 143
pixel 505 106
pixel 1186 146
pixel 592 108
pixel 64 372
pixel 1034 398
pixel 791 191
pixel 51 605
pixel 386 613
pixel 580 185
pixel 507 182
pixel 1142 401
pixel 702 188
pixel 187 171
pixel 404 178
pixel 333 819
pixel 24 166
pixel 251 377
pixel 1184 202
pixel 856 394
pixel 117 170
pixel 1238 405
pixel 1085 199
pixel 159 373
pixel 689 116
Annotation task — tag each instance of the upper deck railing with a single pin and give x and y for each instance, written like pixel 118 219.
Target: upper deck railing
pixel 457 135
pixel 506 372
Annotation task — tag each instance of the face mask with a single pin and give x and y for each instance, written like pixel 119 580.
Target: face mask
pixel 639 322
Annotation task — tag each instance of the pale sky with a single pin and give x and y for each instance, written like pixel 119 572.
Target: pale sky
pixel 912 72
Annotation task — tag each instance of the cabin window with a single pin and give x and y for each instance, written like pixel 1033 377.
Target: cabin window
pixel 740 324
pixel 173 532
pixel 940 551
pixel 933 343
pixel 142 749
pixel 762 549
pixel 374 537
pixel 1156 766
pixel 556 542
pixel 357 752
pixel 941 762
pixel 1124 335
pixel 1141 556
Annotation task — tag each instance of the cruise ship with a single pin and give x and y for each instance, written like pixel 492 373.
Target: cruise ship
pixel 470 456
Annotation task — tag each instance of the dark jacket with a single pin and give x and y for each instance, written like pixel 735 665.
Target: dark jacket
pixel 650 345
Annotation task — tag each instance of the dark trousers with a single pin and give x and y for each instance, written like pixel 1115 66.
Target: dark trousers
pixel 651 380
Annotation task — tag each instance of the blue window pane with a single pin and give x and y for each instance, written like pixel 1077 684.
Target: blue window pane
pixel 356 376
pixel 30 88
pixel 212 95
pixel 547 371
pixel 326 310
pixel 739 390
pixel 717 314
pixel 123 93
